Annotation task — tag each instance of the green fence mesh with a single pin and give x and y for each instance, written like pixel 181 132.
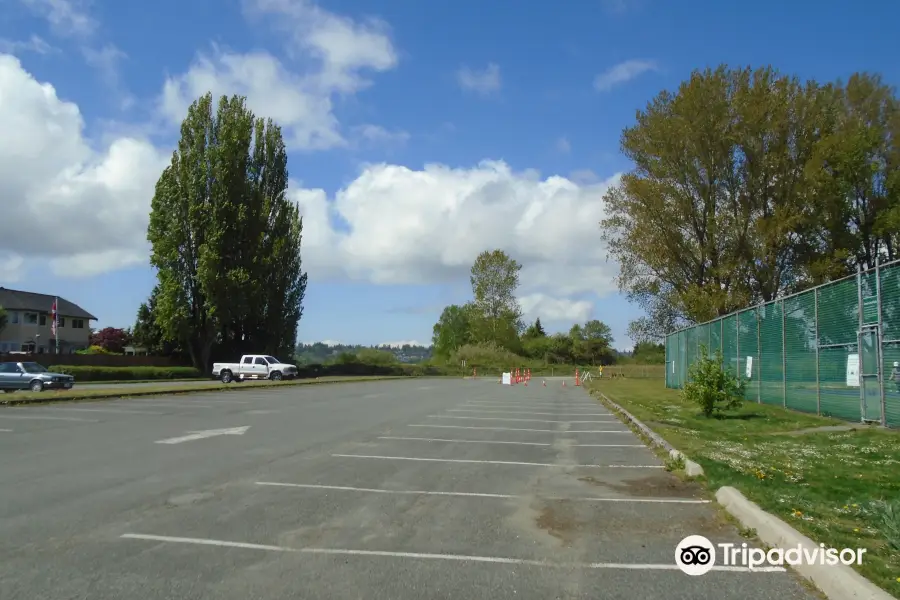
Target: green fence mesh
pixel 804 352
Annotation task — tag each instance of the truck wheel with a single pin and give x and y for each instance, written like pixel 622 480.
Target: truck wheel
pixel 37 386
pixel 226 376
pixel 275 376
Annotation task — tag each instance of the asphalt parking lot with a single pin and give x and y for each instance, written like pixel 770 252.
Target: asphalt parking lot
pixel 392 490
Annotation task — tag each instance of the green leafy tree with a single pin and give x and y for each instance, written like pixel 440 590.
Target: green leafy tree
pixel 717 212
pixel 495 312
pixel 225 239
pixel 452 330
pixel 535 330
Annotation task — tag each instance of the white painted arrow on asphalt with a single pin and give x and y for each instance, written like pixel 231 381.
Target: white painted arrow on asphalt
pixel 199 435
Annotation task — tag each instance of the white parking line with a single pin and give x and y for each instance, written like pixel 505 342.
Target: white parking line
pixel 515 429
pixel 477 494
pixel 6 430
pixel 104 410
pixel 42 418
pixel 514 419
pixel 527 412
pixel 428 556
pixel 388 437
pixel 495 462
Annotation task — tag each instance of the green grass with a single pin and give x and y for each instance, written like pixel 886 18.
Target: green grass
pixel 828 485
pixel 127 381
pixel 127 391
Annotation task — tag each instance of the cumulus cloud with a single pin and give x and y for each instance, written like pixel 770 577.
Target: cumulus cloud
pixel 485 81
pixel 328 54
pixel 622 73
pixel 84 209
pixel 401 226
pixel 549 308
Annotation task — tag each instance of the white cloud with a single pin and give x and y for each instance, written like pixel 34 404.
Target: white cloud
pixel 83 209
pixel 549 308
pixel 563 145
pixel 34 44
pixel 67 18
pixel 378 135
pixel 484 82
pixel 621 73
pixel 426 226
pixel 332 52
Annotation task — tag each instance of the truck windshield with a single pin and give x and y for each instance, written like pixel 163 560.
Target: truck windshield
pixel 272 360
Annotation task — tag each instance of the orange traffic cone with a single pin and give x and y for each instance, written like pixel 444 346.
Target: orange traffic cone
pixel 544 384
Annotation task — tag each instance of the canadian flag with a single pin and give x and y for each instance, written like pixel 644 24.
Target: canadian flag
pixel 53 318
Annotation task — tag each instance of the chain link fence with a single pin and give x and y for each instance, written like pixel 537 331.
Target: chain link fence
pixel 830 350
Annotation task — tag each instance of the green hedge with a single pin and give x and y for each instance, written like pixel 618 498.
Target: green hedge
pixel 92 373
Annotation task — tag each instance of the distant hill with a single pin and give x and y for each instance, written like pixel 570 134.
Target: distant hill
pixel 321 352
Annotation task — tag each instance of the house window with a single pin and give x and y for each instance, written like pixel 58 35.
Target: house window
pixel 31 318
pixel 43 319
pixel 14 317
pixel 62 321
pixel 77 323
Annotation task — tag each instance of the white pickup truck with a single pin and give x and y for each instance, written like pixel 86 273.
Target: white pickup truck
pixel 254 366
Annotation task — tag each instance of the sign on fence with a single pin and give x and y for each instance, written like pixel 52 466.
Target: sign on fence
pixel 853 370
pixel 749 367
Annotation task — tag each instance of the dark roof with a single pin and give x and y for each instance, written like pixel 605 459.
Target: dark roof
pixel 18 300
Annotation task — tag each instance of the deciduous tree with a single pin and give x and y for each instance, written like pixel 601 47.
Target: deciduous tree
pixel 111 339
pixel 225 239
pixel 452 330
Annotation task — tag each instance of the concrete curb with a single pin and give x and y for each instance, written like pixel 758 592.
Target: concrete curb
pixel 838 582
pixel 691 469
pixel 47 398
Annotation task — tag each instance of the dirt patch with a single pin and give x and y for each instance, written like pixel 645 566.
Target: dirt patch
pixel 663 485
pixel 558 521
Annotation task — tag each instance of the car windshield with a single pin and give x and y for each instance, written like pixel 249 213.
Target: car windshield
pixel 31 367
pixel 272 360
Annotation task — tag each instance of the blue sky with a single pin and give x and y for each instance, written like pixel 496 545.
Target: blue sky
pixel 420 134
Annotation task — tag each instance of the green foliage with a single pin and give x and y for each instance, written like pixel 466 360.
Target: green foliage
pixel 92 373
pixel 373 356
pixel 225 238
pixel 648 353
pixel 453 329
pixel 487 356
pixel 888 520
pixel 94 349
pixel 749 184
pixel 320 353
pixel 712 387
pixel 534 331
pixel 494 314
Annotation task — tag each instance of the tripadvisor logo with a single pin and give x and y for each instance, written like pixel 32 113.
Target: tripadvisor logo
pixel 696 555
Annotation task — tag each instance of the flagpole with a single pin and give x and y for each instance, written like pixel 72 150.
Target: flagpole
pixel 56 321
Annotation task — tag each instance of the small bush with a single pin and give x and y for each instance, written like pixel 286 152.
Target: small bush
pixel 713 388
pixel 92 373
pixel 888 517
pixel 93 350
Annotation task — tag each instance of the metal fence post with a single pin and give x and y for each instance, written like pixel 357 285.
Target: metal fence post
pixel 880 341
pixel 737 334
pixel 818 386
pixel 783 361
pixel 758 361
pixel 859 350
